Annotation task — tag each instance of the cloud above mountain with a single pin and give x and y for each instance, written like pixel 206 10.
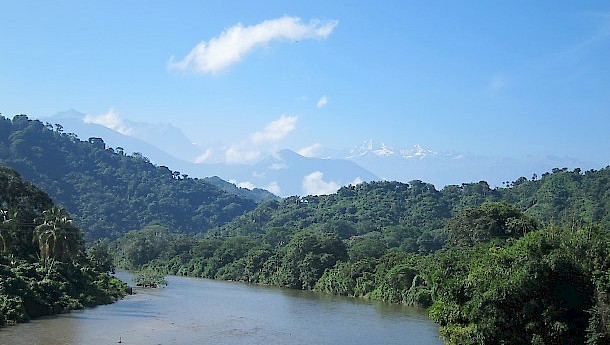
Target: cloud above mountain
pixel 111 119
pixel 275 130
pixel 237 41
pixel 311 150
pixel 258 142
pixel 274 188
pixel 204 156
pixel 314 184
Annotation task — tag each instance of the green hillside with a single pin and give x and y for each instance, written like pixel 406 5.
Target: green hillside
pixel 43 265
pixel 107 191
pixel 529 263
pixel 525 264
pixel 411 216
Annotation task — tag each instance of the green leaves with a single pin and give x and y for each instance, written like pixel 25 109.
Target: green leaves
pixel 56 236
pixel 306 256
pixel 109 192
pixel 537 289
pixel 491 220
pixel 34 234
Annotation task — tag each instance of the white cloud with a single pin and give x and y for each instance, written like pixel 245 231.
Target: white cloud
pixel 238 155
pixel 356 181
pixel 322 102
pixel 251 149
pixel 110 120
pixel 274 188
pixel 311 151
pixel 278 166
pixel 246 184
pixel 204 156
pixel 275 130
pixel 314 184
pixel 235 42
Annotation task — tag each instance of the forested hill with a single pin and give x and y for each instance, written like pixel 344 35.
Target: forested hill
pixel 107 191
pixel 411 215
pixel 44 268
pixel 524 264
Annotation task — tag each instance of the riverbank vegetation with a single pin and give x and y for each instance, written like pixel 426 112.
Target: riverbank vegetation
pixel 149 278
pixel 44 268
pixel 528 263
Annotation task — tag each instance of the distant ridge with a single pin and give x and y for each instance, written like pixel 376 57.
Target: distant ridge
pixel 282 173
pixel 108 191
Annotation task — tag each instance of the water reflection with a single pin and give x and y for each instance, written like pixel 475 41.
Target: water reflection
pixel 200 311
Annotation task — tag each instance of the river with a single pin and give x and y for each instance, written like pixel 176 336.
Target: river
pixel 202 311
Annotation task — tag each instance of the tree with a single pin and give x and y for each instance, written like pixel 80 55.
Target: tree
pixel 488 221
pixel 307 255
pixel 57 237
pixel 100 257
pixel 7 228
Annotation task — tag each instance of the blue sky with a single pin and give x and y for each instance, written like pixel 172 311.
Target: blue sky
pixel 507 78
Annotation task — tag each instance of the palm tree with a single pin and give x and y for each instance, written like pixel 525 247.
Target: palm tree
pixel 8 220
pixel 57 237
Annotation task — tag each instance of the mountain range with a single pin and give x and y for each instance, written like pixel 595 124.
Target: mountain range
pixel 286 173
pixel 283 173
pixel 450 167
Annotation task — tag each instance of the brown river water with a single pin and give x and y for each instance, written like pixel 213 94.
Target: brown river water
pixel 202 311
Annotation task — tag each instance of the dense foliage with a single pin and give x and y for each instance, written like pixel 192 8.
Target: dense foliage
pixel 549 287
pixel 256 194
pixel 411 216
pixel 107 191
pixel 523 264
pixel 528 263
pixel 297 263
pixel 44 268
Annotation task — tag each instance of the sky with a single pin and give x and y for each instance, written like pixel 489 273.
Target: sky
pixel 503 78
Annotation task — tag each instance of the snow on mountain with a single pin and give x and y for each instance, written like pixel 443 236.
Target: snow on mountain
pixel 368 148
pixel 449 167
pixel 416 151
pixel 283 173
pixel 286 173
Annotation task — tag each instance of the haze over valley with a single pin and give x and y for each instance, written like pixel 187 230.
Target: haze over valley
pixel 315 170
pixel 425 172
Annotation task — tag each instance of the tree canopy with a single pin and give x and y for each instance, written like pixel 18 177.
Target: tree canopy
pixel 492 265
pixel 109 192
pixel 43 266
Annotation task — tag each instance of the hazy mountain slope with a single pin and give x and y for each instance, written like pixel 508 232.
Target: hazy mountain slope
pixel 73 121
pixel 446 168
pixel 287 173
pixel 133 136
pixel 107 191
pixel 283 173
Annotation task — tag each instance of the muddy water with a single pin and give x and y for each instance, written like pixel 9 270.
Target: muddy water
pixel 201 311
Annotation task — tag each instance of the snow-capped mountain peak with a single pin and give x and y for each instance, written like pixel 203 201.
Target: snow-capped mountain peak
pixel 368 147
pixel 416 151
pixel 384 151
